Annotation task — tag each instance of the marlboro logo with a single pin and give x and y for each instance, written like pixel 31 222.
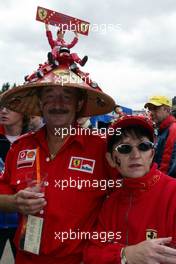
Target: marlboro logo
pixel 82 164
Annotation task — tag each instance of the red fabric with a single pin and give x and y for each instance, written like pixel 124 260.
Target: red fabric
pixel 2 131
pixel 141 204
pixel 169 122
pixel 60 42
pixel 66 209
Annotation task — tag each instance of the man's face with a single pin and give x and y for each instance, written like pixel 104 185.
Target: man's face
pixel 158 113
pixel 136 163
pixel 60 34
pixel 8 117
pixel 59 106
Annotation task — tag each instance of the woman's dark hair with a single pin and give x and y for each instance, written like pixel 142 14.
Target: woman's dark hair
pixel 133 130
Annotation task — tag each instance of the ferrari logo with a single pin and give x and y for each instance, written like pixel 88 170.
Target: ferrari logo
pixel 42 13
pixel 84 27
pixel 77 162
pixel 151 234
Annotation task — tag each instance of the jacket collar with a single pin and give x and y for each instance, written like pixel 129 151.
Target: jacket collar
pixel 143 183
pixel 167 122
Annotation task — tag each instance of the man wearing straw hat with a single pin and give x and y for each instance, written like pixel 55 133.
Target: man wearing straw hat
pixel 54 177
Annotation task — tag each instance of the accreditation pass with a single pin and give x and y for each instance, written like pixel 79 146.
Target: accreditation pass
pixel 33 234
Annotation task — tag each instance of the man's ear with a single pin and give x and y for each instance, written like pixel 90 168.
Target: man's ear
pixel 110 160
pixel 40 104
pixel 80 105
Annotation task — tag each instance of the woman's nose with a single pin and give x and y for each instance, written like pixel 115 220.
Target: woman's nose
pixel 135 153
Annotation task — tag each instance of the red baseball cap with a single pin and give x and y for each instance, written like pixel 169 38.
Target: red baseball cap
pixel 136 120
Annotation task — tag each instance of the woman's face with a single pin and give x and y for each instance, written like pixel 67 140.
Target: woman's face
pixel 136 163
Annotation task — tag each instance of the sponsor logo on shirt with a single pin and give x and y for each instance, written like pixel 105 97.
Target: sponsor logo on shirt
pixel 82 164
pixel 26 158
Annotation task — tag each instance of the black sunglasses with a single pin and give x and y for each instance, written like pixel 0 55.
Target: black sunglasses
pixel 127 148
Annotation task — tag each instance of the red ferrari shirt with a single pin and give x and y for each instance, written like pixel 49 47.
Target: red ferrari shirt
pixel 80 160
pixel 2 131
pixel 144 208
pixel 60 42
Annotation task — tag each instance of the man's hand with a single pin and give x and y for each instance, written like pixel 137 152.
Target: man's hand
pixel 29 201
pixel 47 27
pixel 154 251
pixel 76 34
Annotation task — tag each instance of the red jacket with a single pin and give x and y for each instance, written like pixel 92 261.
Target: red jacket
pixel 60 42
pixel 143 208
pixel 71 208
pixel 2 131
pixel 165 155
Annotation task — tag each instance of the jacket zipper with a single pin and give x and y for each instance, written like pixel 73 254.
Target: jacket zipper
pixel 126 218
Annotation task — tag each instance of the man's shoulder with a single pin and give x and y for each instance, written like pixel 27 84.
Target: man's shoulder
pixel 28 139
pixel 24 137
pixel 173 126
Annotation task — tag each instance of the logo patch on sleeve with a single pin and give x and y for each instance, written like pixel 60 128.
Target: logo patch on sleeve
pixel 26 158
pixel 82 164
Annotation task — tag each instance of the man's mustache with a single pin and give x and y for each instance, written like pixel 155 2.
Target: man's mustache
pixel 58 111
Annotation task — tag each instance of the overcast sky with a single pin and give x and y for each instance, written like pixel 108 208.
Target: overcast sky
pixel 131 44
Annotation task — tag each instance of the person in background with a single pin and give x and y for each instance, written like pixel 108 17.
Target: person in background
pixel 35 123
pixel 12 125
pixel 174 111
pixel 165 156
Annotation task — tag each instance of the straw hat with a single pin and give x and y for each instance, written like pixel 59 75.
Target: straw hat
pixel 25 98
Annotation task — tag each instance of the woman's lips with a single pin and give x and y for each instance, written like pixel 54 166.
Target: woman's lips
pixel 135 166
pixel 4 118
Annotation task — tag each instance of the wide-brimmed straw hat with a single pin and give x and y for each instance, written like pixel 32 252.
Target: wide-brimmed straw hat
pixel 25 98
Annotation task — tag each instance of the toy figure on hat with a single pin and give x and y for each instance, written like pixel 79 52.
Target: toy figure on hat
pixel 64 22
pixel 60 57
pixel 56 46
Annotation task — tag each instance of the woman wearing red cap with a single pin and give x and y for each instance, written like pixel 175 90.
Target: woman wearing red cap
pixel 143 210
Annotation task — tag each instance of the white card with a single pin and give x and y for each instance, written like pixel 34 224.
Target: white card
pixel 33 234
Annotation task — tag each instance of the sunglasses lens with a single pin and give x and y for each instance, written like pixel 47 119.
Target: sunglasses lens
pixel 127 148
pixel 145 146
pixel 124 148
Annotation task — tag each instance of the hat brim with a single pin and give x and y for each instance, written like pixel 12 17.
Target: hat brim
pixel 25 99
pixel 151 104
pixel 136 121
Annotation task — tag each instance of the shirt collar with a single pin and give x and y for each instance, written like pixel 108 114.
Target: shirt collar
pixel 167 122
pixel 40 136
